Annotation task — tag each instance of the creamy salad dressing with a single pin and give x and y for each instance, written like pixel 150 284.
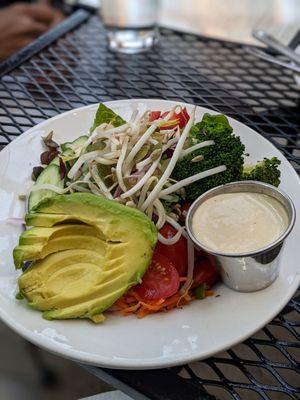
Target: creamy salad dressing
pixel 239 222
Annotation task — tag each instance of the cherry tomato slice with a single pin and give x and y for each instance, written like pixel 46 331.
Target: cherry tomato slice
pixel 180 119
pixel 154 115
pixel 176 253
pixel 183 117
pixel 164 114
pixel 205 272
pixel 160 281
pixel 185 114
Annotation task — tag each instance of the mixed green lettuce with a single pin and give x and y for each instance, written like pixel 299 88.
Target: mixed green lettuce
pixel 106 115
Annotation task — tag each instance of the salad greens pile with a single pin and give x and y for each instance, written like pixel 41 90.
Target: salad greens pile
pixel 154 166
pixel 155 162
pixel 108 116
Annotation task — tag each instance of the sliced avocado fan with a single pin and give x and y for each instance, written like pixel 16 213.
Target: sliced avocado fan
pixel 85 252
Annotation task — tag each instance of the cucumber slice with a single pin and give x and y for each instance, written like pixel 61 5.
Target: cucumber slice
pixel 68 152
pixel 77 142
pixel 51 175
pixel 96 146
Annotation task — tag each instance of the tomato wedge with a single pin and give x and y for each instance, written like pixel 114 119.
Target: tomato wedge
pixel 160 281
pixel 183 117
pixel 176 253
pixel 180 119
pixel 205 272
pixel 154 115
pixel 164 114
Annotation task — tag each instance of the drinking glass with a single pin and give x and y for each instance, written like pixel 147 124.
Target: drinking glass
pixel 131 24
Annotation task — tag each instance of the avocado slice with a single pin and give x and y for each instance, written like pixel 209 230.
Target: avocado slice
pixel 80 285
pixel 54 264
pixel 43 234
pixel 38 242
pixel 89 250
pixel 41 250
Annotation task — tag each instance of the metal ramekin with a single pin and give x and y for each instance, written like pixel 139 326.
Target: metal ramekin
pixel 247 272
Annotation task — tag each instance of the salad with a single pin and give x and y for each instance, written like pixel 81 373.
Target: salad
pixel 155 165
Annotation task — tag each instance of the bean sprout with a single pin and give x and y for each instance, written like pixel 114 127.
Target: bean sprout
pixel 56 189
pixel 120 164
pixel 191 263
pixel 94 189
pixel 81 160
pixel 175 225
pixel 172 240
pixel 143 139
pixel 196 147
pixel 142 181
pixel 172 162
pixel 87 177
pixel 192 179
pixel 99 182
pixel 104 161
pixel 145 189
pixel 160 212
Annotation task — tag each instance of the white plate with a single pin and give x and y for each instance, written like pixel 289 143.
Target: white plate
pixel 194 332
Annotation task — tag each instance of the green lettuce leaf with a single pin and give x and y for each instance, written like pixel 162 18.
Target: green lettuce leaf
pixel 106 115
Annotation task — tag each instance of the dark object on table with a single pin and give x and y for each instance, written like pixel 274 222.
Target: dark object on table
pixel 275 46
pixel 22 23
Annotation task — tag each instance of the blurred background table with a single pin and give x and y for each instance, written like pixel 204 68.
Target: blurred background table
pixel 233 20
pixel 224 19
pixel 71 67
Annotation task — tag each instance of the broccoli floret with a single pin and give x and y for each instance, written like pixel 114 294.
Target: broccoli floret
pixel 264 171
pixel 211 125
pixel 228 150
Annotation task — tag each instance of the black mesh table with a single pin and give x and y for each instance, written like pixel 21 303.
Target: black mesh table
pixel 71 67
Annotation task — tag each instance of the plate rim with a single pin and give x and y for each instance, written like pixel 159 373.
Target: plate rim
pixel 148 363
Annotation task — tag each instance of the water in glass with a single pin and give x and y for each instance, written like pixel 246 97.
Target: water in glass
pixel 131 24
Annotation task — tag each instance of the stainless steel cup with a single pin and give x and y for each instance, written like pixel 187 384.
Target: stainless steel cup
pixel 247 272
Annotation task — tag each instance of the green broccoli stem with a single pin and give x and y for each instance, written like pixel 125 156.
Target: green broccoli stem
pixel 227 150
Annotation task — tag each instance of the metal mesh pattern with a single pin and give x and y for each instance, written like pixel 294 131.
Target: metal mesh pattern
pixel 263 367
pixel 78 70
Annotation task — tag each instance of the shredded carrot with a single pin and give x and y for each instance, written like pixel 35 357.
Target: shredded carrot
pixel 138 297
pixel 150 306
pixel 142 312
pixel 121 303
pixel 132 308
pixel 132 303
pixel 172 300
pixel 130 299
